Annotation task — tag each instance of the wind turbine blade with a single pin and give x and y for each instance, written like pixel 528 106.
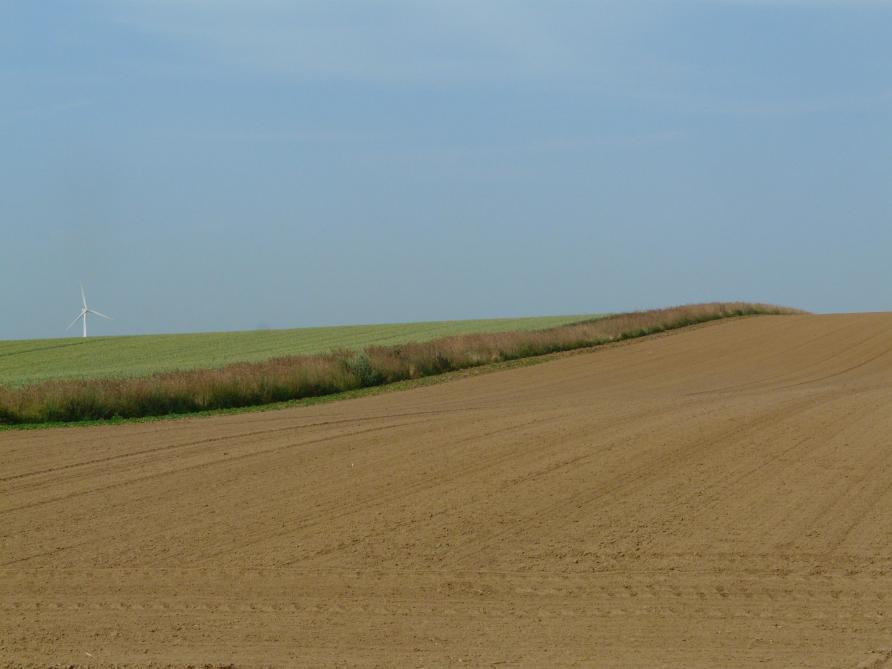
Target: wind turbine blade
pixel 76 319
pixel 100 314
pixel 83 296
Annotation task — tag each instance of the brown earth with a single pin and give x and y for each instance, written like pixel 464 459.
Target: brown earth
pixel 716 497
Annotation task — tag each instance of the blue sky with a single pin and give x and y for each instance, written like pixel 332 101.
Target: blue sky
pixel 221 165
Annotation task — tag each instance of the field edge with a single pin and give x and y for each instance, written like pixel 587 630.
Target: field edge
pixel 393 387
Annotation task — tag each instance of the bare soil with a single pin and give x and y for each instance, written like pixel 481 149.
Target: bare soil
pixel 716 497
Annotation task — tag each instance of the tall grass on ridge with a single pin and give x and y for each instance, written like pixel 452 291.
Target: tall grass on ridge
pixel 295 377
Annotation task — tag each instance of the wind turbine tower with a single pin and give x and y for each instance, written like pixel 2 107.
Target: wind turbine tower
pixel 86 310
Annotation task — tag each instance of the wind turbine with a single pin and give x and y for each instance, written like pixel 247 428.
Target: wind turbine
pixel 86 310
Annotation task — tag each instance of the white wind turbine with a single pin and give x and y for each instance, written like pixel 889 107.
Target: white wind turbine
pixel 86 310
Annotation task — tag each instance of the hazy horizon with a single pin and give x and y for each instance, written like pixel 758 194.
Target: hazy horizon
pixel 232 166
pixel 75 331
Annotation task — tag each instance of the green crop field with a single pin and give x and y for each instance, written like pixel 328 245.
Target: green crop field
pixel 30 361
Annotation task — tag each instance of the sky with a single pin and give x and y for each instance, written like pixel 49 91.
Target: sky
pixel 208 165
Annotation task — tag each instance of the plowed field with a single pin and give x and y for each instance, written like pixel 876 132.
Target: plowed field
pixel 720 496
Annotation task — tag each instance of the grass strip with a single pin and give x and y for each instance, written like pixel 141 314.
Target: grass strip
pixel 336 373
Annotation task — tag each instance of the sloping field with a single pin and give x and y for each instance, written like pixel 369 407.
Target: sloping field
pixel 720 496
pixel 34 360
